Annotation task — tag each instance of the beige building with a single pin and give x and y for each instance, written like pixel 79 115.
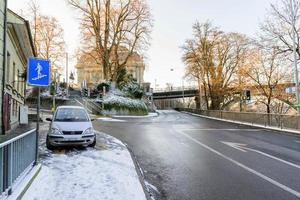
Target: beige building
pixel 90 73
pixel 19 47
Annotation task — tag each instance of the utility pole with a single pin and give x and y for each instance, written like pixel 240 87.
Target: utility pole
pixel 295 54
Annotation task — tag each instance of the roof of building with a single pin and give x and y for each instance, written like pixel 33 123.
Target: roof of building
pixel 23 33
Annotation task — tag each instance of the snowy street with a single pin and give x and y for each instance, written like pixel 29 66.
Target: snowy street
pixel 104 172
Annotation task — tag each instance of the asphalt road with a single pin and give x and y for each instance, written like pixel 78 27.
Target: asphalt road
pixel 189 157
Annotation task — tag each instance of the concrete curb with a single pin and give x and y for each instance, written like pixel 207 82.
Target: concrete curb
pixel 140 173
pixel 245 123
pixel 21 189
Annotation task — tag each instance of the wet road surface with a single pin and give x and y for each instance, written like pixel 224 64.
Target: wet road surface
pixel 189 157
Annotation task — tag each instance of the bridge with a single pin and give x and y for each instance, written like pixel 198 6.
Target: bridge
pixel 171 97
pixel 175 93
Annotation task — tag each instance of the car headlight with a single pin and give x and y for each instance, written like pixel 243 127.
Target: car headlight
pixel 55 131
pixel 89 131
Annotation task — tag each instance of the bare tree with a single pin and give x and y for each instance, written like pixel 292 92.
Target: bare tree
pixel 213 58
pixel 268 74
pixel 278 27
pixel 115 30
pixel 277 33
pixel 48 36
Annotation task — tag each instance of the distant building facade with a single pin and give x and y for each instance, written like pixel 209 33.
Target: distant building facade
pixel 19 47
pixel 90 73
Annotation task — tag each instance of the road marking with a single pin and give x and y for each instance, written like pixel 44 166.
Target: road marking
pixel 297 141
pixel 237 146
pixel 242 147
pixel 215 129
pixel 284 187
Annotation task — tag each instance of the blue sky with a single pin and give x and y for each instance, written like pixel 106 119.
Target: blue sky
pixel 173 20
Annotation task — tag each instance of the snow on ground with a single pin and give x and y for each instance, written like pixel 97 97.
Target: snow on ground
pixel 104 172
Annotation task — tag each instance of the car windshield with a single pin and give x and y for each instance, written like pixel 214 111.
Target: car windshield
pixel 71 115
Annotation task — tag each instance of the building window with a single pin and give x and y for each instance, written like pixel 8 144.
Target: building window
pixel 14 74
pixel 7 67
pixel 17 109
pixel 18 82
pixel 13 107
pixel 21 88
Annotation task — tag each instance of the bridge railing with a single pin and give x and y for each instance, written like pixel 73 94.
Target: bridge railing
pixel 268 120
pixel 175 89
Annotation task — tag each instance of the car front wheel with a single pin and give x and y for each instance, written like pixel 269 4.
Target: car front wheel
pixel 48 145
pixel 94 143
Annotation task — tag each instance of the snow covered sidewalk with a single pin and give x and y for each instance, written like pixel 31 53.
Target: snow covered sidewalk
pixel 104 172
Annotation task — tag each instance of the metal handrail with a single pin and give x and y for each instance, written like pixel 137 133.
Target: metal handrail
pixel 282 121
pixel 17 155
pixel 16 138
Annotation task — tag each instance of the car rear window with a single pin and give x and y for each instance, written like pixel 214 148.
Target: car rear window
pixel 71 115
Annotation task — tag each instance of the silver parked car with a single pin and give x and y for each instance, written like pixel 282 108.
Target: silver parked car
pixel 70 126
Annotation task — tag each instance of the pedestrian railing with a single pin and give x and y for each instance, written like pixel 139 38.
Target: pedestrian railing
pixel 263 119
pixel 17 156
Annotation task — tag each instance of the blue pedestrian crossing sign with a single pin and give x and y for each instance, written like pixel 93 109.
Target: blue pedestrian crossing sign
pixel 38 72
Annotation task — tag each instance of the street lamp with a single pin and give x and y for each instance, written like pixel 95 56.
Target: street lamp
pixel 295 55
pixel 183 92
pixel 172 70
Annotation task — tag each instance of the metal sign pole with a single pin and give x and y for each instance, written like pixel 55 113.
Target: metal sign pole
pixel 38 74
pixel 37 126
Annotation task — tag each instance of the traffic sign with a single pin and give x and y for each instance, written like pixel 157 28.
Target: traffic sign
pixel 290 90
pixel 38 72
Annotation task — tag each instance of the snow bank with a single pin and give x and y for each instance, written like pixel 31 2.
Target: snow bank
pixel 116 102
pixel 104 173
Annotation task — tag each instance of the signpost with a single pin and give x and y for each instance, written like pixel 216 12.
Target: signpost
pixel 38 74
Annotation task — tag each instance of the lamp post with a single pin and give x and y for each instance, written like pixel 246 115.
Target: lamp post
pixel 183 92
pixel 172 70
pixel 54 91
pixel 295 54
pixel 67 75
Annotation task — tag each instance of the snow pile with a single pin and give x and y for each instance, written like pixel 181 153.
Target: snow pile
pixel 117 101
pixel 88 174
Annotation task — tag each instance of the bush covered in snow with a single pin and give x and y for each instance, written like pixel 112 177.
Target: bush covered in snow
pixel 130 87
pixel 117 100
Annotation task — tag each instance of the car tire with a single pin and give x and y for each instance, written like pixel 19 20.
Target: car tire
pixel 48 145
pixel 93 144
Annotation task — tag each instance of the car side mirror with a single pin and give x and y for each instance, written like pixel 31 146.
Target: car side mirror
pixel 49 119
